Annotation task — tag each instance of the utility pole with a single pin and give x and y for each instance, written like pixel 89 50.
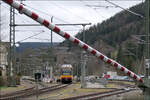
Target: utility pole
pixel 146 85
pixel 83 62
pixel 52 33
pixel 12 58
pixel 147 56
pixel 83 58
pixel 147 38
pixel 52 65
pixel 0 38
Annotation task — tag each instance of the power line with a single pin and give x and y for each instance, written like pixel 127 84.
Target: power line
pixel 90 8
pixel 27 30
pixel 94 10
pixel 41 39
pixel 46 14
pixel 68 11
pixel 29 37
pixel 78 24
pixel 16 14
pixel 134 13
pixel 99 6
pixel 49 15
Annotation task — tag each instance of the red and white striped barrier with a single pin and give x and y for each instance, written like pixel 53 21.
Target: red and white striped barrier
pixel 36 17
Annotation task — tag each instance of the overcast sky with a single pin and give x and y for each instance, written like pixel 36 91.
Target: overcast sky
pixel 64 12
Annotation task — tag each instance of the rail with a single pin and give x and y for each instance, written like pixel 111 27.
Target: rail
pixel 31 92
pixel 100 95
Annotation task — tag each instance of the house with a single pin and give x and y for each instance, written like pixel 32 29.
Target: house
pixel 109 74
pixel 3 58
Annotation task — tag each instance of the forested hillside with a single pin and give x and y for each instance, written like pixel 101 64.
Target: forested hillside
pixel 121 32
pixel 118 28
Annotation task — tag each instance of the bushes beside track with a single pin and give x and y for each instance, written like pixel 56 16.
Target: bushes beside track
pixel 3 81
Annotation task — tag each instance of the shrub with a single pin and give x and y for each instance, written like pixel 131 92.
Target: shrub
pixel 3 81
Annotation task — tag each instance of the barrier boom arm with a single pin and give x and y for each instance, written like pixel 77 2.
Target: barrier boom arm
pixel 37 18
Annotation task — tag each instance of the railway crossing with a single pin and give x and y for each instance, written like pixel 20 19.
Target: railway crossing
pixel 23 10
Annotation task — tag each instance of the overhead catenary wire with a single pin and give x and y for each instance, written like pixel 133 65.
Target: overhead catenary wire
pixel 41 39
pixel 50 15
pixel 89 7
pixel 69 12
pixel 27 30
pixel 134 13
pixel 23 21
pixel 46 14
pixel 29 37
pixel 62 0
pixel 94 10
pixel 33 37
pixel 73 0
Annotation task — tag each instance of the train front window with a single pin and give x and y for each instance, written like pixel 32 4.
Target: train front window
pixel 66 72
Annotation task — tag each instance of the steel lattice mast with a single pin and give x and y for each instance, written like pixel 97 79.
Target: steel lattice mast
pixel 37 18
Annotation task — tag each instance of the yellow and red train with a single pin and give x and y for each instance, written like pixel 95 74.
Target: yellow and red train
pixel 66 72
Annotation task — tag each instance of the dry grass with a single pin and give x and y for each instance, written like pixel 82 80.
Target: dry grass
pixel 73 90
pixel 5 90
pixel 134 95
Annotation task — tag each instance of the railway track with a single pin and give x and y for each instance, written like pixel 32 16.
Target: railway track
pixel 30 92
pixel 17 92
pixel 100 95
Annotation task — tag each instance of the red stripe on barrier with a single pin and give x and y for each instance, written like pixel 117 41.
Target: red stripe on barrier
pixel 9 1
pixel 56 29
pixel 76 41
pixel 115 64
pixel 85 47
pixel 20 7
pixel 134 76
pixel 141 80
pixel 67 36
pixel 93 52
pixel 122 68
pixel 46 23
pixel 101 57
pixel 129 73
pixel 109 61
pixel 34 16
